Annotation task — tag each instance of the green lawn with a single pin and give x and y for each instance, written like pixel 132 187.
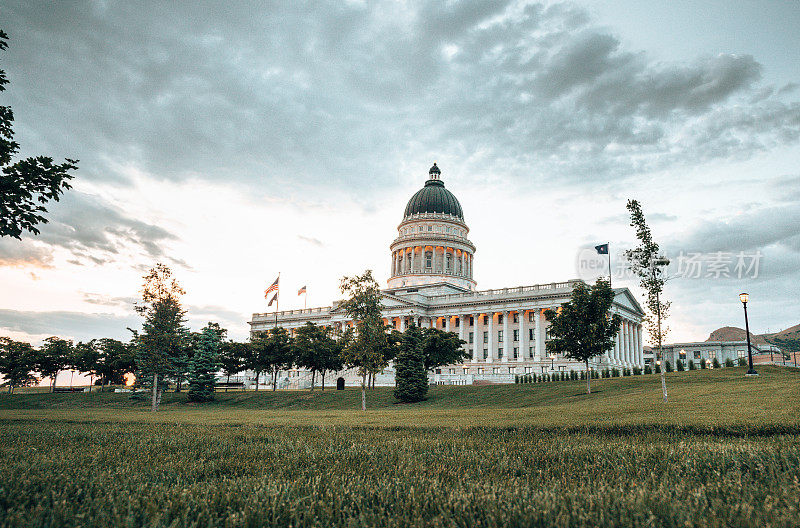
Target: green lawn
pixel 724 452
pixel 702 398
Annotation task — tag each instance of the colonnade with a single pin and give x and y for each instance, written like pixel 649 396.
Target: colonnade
pixel 627 345
pixel 445 260
pixel 505 336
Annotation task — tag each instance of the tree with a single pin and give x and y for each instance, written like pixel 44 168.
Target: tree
pixel 17 363
pixel 412 376
pixel 86 358
pixel 315 349
pixel 365 348
pixel 205 364
pixel 116 359
pixel 28 184
pixel 233 358
pixel 442 348
pixel 54 356
pixel 163 335
pixel 584 328
pixel 645 262
pixel 280 354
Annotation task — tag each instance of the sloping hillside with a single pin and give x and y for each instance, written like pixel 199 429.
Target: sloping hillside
pixel 732 333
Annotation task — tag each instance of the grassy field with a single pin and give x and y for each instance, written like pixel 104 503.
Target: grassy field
pixel 724 452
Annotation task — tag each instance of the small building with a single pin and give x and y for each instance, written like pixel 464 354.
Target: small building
pixel 708 351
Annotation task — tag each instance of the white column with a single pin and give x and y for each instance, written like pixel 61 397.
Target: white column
pixel 627 358
pixel 492 337
pixel 615 351
pixel 463 264
pixel 641 349
pixel 475 337
pixel 447 323
pixel 402 323
pixel 631 345
pixel 461 331
pixel 507 341
pixel 537 335
pixel 522 344
pixel 413 258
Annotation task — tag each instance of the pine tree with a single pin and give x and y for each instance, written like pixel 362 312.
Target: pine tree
pixel 204 365
pixel 412 378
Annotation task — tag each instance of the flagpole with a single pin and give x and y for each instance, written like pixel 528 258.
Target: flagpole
pixel 277 299
pixel 609 263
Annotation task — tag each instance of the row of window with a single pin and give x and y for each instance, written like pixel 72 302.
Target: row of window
pixel 435 228
pixel 710 354
pixel 514 353
pixel 531 336
pixel 494 370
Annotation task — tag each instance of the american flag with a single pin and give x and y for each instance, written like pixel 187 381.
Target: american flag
pixel 274 298
pixel 301 291
pixel 272 288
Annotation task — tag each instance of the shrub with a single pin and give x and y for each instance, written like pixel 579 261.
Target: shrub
pixel 648 369
pixel 703 364
pixel 637 371
pixel 680 366
pixel 729 362
pixel 658 368
pixel 668 366
pixel 595 374
pixel 606 373
pixel 691 364
pixel 742 362
pixel 715 363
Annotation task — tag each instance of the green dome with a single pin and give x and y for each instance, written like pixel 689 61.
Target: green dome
pixel 434 198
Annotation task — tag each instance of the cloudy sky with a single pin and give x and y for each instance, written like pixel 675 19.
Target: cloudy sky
pixel 233 141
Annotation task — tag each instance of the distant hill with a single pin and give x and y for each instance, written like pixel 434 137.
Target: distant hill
pixel 793 332
pixel 733 333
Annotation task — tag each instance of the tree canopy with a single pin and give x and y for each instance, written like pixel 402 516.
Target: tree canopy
pixel 441 348
pixel 28 184
pixel 584 327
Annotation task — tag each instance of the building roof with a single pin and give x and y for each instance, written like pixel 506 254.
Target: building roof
pixel 434 198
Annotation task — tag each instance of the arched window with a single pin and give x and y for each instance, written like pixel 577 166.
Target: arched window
pixel 449 262
pixel 429 259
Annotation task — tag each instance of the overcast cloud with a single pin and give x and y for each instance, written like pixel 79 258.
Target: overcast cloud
pixel 305 122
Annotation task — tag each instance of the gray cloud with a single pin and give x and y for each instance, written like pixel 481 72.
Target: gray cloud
pixel 105 300
pixel 24 253
pixel 93 231
pixel 347 93
pixel 79 325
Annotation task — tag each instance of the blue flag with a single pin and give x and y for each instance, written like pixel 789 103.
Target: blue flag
pixel 602 249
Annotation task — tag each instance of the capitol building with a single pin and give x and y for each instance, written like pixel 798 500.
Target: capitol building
pixel 431 284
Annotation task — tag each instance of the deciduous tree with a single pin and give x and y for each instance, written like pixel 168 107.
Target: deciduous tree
pixel 27 184
pixel 116 360
pixel 647 264
pixel 315 349
pixel 442 348
pixel 54 356
pixel 18 361
pixel 584 327
pixel 365 348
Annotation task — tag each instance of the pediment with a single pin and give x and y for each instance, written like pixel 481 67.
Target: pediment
pixel 625 298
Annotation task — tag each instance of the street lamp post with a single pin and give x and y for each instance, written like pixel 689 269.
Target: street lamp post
pixel 751 371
